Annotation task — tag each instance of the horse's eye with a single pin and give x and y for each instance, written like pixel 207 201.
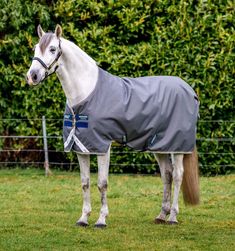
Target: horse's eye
pixel 52 49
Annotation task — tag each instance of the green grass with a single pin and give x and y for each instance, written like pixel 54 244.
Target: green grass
pixel 39 213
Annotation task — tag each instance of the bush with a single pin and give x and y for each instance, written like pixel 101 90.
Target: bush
pixel 190 39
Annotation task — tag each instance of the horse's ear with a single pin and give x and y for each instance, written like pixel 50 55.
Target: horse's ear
pixel 40 31
pixel 58 30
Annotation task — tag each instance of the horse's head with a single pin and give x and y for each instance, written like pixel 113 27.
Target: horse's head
pixel 46 55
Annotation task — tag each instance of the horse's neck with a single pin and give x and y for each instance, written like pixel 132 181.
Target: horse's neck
pixel 77 72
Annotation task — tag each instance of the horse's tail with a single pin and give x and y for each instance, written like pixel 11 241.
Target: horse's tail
pixel 190 184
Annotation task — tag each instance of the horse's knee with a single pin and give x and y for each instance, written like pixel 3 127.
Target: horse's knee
pixel 102 185
pixel 85 184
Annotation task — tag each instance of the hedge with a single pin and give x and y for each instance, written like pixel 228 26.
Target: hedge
pixel 190 39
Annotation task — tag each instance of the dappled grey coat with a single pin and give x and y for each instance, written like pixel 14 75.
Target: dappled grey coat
pixel 156 114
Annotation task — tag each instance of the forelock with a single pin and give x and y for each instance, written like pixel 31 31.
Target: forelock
pixel 45 41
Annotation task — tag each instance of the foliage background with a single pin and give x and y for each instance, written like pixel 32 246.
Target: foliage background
pixel 191 39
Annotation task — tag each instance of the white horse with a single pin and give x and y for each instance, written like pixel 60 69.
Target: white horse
pixel 78 75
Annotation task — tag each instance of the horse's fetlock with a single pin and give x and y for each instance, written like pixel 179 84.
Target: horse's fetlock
pixel 174 211
pixel 166 209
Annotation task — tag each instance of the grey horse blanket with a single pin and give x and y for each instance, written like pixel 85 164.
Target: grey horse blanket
pixel 157 114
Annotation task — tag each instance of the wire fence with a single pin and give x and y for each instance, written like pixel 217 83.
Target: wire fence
pixel 116 150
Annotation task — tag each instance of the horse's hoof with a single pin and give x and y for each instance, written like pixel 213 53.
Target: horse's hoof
pixel 172 222
pixel 100 225
pixel 159 221
pixel 81 224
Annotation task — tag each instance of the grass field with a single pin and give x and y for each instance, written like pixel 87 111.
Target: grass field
pixel 39 213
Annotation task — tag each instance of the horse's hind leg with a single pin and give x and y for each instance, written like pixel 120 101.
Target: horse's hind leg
pixel 103 170
pixel 166 175
pixel 84 162
pixel 177 162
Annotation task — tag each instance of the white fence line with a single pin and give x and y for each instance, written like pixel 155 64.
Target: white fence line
pixel 45 149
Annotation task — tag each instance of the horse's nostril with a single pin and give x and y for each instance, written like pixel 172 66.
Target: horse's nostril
pixel 34 75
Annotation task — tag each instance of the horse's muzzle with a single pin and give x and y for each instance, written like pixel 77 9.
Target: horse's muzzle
pixel 32 78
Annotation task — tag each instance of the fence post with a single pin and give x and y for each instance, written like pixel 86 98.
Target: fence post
pixel 46 161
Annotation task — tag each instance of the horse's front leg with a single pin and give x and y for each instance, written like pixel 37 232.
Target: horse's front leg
pixel 166 175
pixel 178 170
pixel 84 162
pixel 103 170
